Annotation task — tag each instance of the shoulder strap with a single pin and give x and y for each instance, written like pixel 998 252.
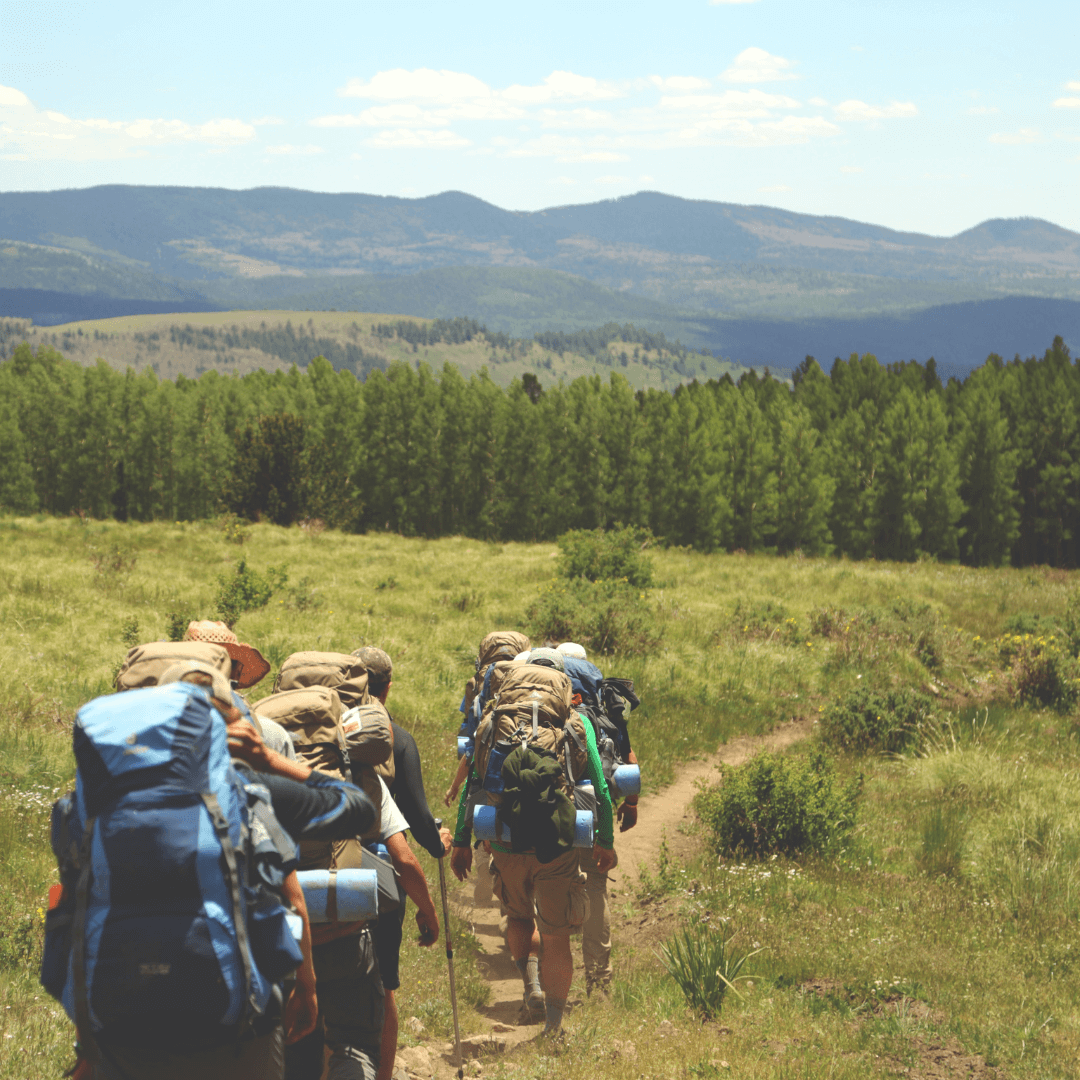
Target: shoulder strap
pixel 232 877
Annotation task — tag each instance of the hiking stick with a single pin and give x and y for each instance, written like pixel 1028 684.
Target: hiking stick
pixel 450 956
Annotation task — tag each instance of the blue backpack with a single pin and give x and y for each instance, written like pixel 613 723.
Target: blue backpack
pixel 170 920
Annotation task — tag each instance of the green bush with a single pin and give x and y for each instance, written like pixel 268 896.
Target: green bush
pixel 776 804
pixel 704 967
pixel 867 721
pixel 246 589
pixel 604 616
pixel 597 555
pixel 1046 676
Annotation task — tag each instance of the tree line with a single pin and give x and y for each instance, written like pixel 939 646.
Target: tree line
pixel 867 460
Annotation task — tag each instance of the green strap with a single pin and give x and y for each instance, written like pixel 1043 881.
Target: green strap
pixel 463 830
pixel 232 877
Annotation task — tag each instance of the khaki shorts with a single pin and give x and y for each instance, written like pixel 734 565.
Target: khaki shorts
pixel 553 893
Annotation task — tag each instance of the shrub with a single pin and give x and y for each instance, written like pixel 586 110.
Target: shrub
pixel 176 621
pixel 779 805
pixel 760 619
pixel 704 967
pixel 246 589
pixel 1044 673
pixel 604 616
pixel 597 555
pixel 869 720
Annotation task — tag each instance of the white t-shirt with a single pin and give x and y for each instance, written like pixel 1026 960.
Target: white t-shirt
pixel 393 820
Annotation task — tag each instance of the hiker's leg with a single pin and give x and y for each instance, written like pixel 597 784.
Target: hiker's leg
pixel 519 936
pixel 386 936
pixel 482 891
pixel 388 1044
pixel 258 1058
pixel 596 930
pixel 352 1001
pixel 562 906
pixel 512 883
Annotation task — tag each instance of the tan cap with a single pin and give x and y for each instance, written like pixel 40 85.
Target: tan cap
pixel 380 667
pixel 249 665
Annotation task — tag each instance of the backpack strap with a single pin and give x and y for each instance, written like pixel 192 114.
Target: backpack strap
pixel 232 875
pixel 78 951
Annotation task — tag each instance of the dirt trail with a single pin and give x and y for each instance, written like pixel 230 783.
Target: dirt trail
pixel 638 847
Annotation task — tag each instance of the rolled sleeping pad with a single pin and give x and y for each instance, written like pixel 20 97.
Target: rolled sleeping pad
pixel 464 745
pixel 486 822
pixel 355 894
pixel 626 780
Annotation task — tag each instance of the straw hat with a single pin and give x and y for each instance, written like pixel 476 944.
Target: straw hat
pixel 249 665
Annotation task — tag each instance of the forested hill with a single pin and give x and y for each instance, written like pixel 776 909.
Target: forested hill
pixel 185 232
pixel 867 461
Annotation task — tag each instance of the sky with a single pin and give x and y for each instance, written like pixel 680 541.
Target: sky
pixel 926 117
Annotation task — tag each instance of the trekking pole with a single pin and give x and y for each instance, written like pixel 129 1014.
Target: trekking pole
pixel 450 955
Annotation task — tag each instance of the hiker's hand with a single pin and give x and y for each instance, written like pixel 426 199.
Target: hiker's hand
pixel 604 858
pixel 447 840
pixel 627 814
pixel 246 744
pixel 461 862
pixel 450 796
pixel 301 1012
pixel 427 922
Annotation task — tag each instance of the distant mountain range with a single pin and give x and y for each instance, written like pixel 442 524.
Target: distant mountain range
pixel 756 284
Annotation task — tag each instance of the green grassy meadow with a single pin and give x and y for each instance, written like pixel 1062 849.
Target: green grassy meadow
pixel 944 936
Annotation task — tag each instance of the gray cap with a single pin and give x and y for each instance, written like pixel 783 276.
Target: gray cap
pixel 195 671
pixel 547 658
pixel 573 650
pixel 380 667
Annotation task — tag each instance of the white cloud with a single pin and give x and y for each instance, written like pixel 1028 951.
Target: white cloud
pixel 563 86
pixel 612 180
pixel 679 83
pixel 859 110
pixel 288 150
pixel 1072 86
pixel 755 65
pixel 983 110
pixel 775 187
pixel 564 148
pixel 817 102
pixel 11 97
pixel 1067 103
pixel 576 118
pixel 27 133
pixel 748 103
pixel 418 138
pixel 267 121
pixel 1023 137
pixel 851 169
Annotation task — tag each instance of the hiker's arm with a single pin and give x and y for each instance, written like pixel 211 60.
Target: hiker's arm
pixel 459 779
pixel 461 856
pixel 410 795
pixel 415 885
pixel 302 1008
pixel 247 744
pixel 605 832
pixel 321 808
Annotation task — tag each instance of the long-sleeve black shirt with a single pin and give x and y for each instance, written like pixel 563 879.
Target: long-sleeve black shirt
pixel 408 792
pixel 320 808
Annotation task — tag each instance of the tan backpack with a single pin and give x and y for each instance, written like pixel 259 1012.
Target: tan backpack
pixel 499 645
pixel 145 664
pixel 370 738
pixel 533 705
pixel 339 671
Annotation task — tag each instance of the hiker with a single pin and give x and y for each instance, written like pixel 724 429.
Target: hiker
pixel 499 645
pixel 168 944
pixel 533 731
pixel 322 700
pixel 407 808
pixel 587 680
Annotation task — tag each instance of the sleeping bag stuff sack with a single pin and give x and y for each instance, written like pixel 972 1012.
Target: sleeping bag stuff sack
pixel 170 924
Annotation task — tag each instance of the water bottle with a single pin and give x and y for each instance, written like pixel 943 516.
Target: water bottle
pixel 493 778
pixel 464 746
pixel 357 894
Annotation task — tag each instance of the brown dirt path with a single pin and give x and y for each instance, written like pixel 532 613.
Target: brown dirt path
pixel 658 813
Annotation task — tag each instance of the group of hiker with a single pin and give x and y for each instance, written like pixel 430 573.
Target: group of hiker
pixel 234 875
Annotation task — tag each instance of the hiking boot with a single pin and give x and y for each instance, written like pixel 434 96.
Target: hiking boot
pixel 535 1002
pixel 599 984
